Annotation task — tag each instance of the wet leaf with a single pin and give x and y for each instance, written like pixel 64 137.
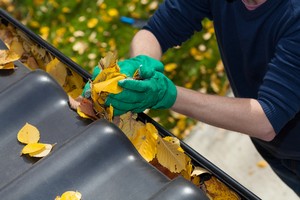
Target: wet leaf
pixel 28 134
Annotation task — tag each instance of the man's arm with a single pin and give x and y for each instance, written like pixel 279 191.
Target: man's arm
pixel 236 114
pixel 145 43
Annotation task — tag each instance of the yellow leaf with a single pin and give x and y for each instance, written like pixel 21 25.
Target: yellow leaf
pixel 75 93
pixel 218 190
pixel 28 134
pixel 17 47
pixel 129 125
pixel 82 114
pixel 113 12
pixel 110 85
pixel 145 141
pixel 110 113
pixel 57 70
pixel 70 195
pixel 43 152
pixel 262 164
pixel 7 56
pixel 92 23
pixel 170 154
pixel 170 67
pixel 33 147
pixel 7 66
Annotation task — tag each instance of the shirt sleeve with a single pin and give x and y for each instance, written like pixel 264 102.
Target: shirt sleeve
pixel 175 21
pixel 279 94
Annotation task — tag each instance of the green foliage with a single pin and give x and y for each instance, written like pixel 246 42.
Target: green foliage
pixel 85 30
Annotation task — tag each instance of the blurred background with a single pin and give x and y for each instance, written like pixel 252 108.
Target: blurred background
pixel 86 30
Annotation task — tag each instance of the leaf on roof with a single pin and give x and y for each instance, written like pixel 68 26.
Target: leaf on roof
pixel 28 134
pixel 70 195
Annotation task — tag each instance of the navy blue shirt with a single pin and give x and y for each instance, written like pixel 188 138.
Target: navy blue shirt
pixel 260 50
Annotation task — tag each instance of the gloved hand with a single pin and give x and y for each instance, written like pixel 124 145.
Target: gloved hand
pixel 154 91
pixel 127 67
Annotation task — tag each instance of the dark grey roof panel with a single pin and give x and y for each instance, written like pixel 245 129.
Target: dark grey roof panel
pixel 36 99
pixel 101 163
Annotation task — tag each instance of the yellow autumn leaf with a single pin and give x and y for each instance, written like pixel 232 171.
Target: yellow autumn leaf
pixel 70 195
pixel 7 66
pixel 7 57
pixel 110 113
pixel 43 152
pixel 57 70
pixel 217 190
pixel 82 114
pixel 32 148
pixel 129 125
pixel 110 85
pixel 28 134
pixel 92 23
pixel 75 93
pixel 17 47
pixel 113 12
pixel 109 61
pixel 145 141
pixel 170 154
pixel 170 67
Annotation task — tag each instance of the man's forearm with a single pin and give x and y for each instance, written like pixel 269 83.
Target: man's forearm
pixel 237 114
pixel 144 42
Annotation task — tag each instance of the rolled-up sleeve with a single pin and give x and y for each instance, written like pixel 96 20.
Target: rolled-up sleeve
pixel 175 21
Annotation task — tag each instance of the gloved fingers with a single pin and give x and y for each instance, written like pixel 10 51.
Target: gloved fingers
pixel 146 72
pixel 128 96
pixel 135 85
pixel 151 63
pixel 120 105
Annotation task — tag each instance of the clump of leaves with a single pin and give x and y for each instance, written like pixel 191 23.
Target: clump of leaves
pixel 106 82
pixel 35 57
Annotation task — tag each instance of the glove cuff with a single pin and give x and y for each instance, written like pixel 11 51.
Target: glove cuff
pixel 169 97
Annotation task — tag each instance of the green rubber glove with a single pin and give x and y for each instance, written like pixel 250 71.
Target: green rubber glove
pixel 127 67
pixel 154 91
